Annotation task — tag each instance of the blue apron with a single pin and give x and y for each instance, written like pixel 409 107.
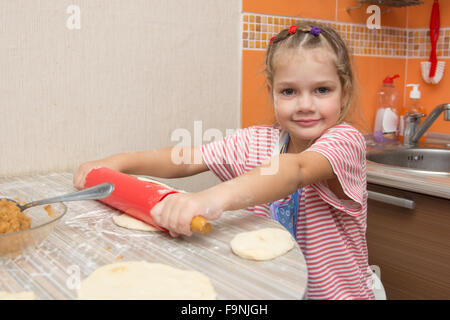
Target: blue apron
pixel 286 212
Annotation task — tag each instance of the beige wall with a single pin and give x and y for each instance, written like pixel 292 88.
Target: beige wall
pixel 133 73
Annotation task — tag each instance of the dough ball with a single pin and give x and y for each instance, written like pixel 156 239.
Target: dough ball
pixel 25 295
pixel 140 280
pixel 126 221
pixel 263 244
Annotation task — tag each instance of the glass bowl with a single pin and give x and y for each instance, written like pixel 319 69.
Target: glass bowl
pixel 41 226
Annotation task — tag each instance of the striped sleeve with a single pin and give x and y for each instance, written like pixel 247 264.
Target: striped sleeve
pixel 227 158
pixel 345 149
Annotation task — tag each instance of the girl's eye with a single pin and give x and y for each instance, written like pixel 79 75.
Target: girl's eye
pixel 288 92
pixel 322 90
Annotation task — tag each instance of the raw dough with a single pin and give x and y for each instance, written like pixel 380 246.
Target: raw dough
pixel 124 220
pixel 142 280
pixel 263 244
pixel 25 295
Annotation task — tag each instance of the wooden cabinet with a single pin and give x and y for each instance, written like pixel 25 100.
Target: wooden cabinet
pixel 410 246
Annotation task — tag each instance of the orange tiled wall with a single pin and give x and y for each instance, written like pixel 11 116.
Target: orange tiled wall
pixel 397 48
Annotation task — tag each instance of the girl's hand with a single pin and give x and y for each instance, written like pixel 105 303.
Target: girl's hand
pixel 177 210
pixel 80 175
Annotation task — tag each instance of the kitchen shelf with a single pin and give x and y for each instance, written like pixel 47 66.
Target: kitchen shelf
pixel 387 3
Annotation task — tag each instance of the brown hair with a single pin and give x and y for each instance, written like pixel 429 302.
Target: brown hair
pixel 303 39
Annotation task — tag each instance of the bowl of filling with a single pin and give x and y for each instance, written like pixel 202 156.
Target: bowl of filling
pixel 22 229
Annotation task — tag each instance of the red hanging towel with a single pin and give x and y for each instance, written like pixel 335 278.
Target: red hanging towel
pixel 435 25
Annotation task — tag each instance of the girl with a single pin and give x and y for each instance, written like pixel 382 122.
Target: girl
pixel 308 171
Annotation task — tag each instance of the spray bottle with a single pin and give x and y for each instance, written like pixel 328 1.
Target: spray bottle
pixel 387 117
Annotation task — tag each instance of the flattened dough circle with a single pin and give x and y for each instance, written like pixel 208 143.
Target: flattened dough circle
pixel 126 221
pixel 262 244
pixel 140 280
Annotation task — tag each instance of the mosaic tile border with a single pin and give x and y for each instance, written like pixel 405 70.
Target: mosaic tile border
pixel 257 29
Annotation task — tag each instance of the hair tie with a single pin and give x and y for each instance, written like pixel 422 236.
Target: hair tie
pixel 292 29
pixel 315 31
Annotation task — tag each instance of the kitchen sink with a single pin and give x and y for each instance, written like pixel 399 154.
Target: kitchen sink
pixel 432 160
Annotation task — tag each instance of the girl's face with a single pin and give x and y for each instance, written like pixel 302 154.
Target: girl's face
pixel 307 93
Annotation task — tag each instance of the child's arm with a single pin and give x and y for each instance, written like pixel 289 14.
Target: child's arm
pixel 156 163
pixel 294 171
pixel 260 185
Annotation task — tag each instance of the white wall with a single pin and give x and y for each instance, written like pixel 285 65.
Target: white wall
pixel 133 73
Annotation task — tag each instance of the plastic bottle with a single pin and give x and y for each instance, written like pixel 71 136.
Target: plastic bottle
pixel 387 117
pixel 413 105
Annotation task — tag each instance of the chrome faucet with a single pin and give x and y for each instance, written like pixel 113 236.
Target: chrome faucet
pixel 413 132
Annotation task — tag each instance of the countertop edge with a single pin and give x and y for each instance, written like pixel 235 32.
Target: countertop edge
pixel 434 186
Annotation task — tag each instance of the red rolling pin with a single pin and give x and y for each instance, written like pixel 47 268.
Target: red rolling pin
pixel 136 197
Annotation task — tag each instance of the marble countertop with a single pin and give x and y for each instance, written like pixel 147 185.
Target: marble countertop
pixel 437 185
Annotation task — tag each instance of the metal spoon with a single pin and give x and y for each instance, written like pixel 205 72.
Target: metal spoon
pixel 97 192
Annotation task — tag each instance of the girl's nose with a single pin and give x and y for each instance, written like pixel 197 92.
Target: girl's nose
pixel 305 103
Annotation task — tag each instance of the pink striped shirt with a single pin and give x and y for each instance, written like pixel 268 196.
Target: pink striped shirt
pixel 331 232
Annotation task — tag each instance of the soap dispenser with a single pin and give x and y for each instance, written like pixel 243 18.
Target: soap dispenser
pixel 413 105
pixel 386 119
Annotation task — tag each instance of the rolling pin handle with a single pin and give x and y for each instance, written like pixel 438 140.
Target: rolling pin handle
pixel 200 224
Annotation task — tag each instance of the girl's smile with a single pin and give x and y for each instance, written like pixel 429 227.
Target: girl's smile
pixel 307 122
pixel 307 93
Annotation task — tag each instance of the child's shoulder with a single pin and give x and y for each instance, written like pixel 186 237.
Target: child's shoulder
pixel 343 131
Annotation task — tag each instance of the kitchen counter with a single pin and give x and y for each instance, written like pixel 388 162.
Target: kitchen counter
pixel 437 185
pixel 86 238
